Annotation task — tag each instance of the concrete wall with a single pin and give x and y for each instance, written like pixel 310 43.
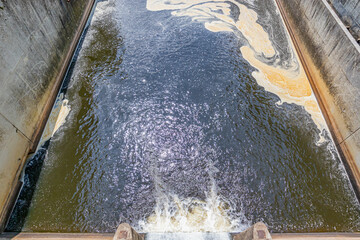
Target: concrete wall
pixel 37 38
pixel 349 12
pixel 332 59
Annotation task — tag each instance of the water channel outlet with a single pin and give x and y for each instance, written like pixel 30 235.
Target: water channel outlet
pixel 187 116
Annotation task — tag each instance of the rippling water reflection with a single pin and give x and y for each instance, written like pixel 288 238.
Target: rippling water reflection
pixel 167 123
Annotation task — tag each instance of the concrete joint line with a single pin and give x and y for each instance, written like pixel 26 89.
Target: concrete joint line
pixel 348 136
pixel 16 128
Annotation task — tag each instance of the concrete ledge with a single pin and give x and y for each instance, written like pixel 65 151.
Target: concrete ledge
pixel 110 236
pixel 126 232
pixel 258 231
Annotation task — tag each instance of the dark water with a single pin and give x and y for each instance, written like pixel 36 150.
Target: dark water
pixel 159 102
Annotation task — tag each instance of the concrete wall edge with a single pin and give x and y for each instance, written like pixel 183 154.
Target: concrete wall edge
pixel 308 52
pixel 34 139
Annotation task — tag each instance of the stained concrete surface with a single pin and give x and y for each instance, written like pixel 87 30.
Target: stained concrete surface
pixel 35 39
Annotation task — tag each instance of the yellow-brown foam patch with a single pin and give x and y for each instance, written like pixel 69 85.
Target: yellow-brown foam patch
pixel 291 85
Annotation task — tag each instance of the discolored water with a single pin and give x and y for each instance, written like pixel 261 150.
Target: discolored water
pixel 189 116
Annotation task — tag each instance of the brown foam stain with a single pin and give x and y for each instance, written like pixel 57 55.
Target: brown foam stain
pixel 291 85
pixel 216 16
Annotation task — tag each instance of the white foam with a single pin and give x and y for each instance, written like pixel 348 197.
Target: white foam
pixel 56 119
pixel 174 213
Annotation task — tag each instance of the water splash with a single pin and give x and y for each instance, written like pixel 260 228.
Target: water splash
pixel 175 214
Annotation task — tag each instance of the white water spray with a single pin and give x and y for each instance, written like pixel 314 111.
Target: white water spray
pixel 173 213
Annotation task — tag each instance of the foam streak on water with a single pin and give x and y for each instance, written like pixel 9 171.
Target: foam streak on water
pixel 290 85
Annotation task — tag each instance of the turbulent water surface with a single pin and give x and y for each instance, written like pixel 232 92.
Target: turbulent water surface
pixel 189 116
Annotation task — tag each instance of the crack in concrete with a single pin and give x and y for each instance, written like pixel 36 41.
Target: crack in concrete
pixel 349 136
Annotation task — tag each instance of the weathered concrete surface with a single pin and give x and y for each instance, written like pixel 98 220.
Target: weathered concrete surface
pixel 36 43
pixel 349 12
pixel 126 232
pixel 258 231
pixel 331 58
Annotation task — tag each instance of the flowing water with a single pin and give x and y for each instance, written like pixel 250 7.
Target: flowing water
pixel 188 116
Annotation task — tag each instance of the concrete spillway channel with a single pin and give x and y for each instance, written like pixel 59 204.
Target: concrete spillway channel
pixel 179 116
